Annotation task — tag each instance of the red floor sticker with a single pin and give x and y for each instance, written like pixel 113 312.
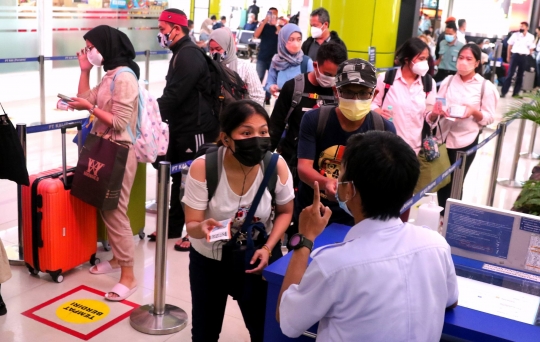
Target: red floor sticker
pixel 81 312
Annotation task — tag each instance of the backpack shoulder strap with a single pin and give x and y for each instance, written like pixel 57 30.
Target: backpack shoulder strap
pixel 304 65
pixel 268 174
pixel 482 92
pixel 378 122
pixel 273 177
pixel 388 82
pixel 126 69
pixel 324 114
pixel 427 83
pixel 214 161
pixel 131 135
pixel 299 83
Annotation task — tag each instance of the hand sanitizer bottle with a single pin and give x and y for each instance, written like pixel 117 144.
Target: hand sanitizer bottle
pixel 429 214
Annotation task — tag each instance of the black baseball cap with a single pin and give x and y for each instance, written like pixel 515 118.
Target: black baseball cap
pixel 356 71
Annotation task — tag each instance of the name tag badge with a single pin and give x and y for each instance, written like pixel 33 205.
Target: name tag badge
pixel 304 109
pixel 454 58
pixel 220 233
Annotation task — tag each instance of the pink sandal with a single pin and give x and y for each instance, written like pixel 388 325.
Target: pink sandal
pixel 122 291
pixel 103 268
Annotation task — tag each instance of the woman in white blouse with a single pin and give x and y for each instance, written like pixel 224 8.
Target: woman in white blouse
pixel 244 140
pixel 467 92
pixel 410 103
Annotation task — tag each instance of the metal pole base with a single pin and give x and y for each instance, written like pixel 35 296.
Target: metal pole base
pixel 151 207
pixel 14 257
pixel 527 155
pixel 510 183
pixel 172 321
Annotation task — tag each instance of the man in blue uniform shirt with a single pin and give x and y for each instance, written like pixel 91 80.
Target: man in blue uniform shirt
pixel 388 280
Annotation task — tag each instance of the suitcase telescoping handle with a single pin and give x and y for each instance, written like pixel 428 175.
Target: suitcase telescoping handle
pixel 79 140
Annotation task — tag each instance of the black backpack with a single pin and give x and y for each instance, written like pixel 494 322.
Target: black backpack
pixel 226 84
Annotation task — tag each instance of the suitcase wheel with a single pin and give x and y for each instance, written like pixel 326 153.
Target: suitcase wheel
pixel 32 270
pixel 142 235
pixel 94 260
pixel 57 276
pixel 106 245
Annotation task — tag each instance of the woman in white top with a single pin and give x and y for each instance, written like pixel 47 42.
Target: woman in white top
pixel 478 96
pixel 244 140
pixel 222 43
pixel 410 103
pixel 406 95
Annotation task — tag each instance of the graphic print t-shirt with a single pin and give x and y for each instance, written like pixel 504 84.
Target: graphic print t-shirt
pixel 327 153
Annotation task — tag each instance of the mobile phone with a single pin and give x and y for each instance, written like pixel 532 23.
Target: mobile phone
pixel 65 98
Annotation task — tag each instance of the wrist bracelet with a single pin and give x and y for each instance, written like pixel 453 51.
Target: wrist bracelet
pixel 267 249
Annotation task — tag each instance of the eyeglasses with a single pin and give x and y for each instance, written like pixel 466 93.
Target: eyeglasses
pixel 88 48
pixel 350 95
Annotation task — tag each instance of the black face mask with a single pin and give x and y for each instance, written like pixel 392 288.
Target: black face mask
pixel 521 30
pixel 251 151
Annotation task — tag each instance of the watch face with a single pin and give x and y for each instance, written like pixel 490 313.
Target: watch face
pixel 295 240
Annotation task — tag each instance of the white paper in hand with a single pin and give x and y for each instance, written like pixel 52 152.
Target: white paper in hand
pixel 220 233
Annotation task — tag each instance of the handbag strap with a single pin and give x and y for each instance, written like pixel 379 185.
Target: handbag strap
pixel 262 188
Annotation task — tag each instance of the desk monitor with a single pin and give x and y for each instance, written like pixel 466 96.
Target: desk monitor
pixel 495 236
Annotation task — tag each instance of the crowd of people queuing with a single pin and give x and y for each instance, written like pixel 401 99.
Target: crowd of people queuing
pixel 348 143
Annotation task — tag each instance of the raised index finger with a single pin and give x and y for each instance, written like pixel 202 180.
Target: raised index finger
pixel 316 195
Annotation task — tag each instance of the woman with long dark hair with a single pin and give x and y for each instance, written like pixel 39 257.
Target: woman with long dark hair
pixel 244 141
pixel 471 103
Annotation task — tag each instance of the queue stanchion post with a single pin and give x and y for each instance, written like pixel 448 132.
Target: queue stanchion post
pixel 147 69
pixel 530 153
pixel 511 182
pixel 41 60
pixel 16 251
pixel 459 176
pixel 160 318
pixel 496 163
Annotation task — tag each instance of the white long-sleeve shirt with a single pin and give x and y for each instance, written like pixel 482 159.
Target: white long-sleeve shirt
pixel 462 132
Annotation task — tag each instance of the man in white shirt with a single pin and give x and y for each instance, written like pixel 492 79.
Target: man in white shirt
pixel 462 27
pixel 520 45
pixel 388 279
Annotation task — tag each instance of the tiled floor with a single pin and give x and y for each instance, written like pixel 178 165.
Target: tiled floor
pixel 24 291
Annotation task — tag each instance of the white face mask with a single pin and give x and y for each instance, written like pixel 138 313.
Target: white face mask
pixel 316 32
pixel 94 57
pixel 324 80
pixel 420 68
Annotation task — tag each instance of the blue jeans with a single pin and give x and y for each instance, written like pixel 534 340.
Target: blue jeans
pixel 262 67
pixel 517 61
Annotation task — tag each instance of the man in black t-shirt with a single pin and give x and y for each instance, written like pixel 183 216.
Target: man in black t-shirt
pixel 316 89
pixel 267 32
pixel 320 153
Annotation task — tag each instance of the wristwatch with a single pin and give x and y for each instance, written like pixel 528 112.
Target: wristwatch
pixel 92 110
pixel 298 241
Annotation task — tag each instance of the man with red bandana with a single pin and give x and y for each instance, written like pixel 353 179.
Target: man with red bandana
pixel 185 105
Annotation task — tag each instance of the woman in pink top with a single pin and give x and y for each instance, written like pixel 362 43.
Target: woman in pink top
pixel 467 92
pixel 406 95
pixel 116 113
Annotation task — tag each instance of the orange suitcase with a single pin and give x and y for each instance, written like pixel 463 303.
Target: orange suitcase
pixel 59 230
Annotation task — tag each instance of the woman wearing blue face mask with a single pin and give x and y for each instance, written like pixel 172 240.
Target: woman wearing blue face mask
pixel 448 52
pixel 289 61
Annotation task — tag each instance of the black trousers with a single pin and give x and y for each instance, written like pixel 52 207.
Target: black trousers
pixel 518 62
pixel 209 298
pixel 444 193
pixel 182 147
